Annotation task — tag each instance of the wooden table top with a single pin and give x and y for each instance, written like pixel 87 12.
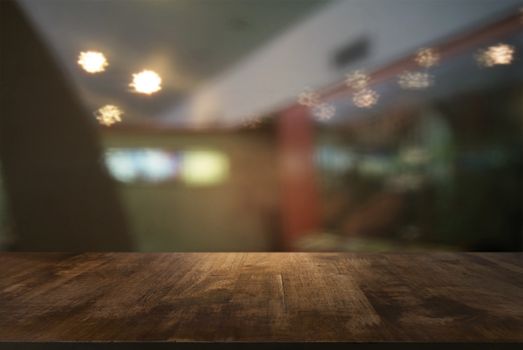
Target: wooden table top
pixel 442 297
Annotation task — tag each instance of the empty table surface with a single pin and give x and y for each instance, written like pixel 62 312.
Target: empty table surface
pixel 300 297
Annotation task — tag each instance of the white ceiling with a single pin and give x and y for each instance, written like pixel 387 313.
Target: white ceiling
pixel 276 73
pixel 186 41
pixel 222 60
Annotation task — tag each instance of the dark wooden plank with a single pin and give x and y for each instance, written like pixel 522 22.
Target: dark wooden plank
pixel 444 297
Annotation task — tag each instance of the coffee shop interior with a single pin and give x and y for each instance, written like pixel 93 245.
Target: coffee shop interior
pixel 261 125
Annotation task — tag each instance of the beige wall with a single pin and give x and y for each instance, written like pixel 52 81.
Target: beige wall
pixel 236 215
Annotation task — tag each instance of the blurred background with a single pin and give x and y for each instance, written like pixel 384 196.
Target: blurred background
pixel 261 125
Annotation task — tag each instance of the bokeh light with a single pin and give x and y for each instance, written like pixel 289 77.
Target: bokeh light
pixel 365 98
pixel 427 57
pixel 204 167
pixel 109 115
pixel 146 82
pixel 500 54
pixel 308 98
pixel 357 80
pixel 92 61
pixel 324 111
pixel 414 80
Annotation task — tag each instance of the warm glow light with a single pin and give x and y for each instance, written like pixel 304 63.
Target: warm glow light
pixel 308 98
pixel 324 111
pixel 146 82
pixel 365 98
pixel 92 61
pixel 414 80
pixel 427 57
pixel 500 54
pixel 204 167
pixel 357 80
pixel 109 115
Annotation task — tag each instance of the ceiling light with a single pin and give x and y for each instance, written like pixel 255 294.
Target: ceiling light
pixel 92 61
pixel 109 115
pixel 500 54
pixel 146 82
pixel 365 98
pixel 324 111
pixel 308 98
pixel 414 80
pixel 427 57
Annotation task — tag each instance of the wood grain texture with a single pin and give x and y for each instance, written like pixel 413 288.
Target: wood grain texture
pixel 261 297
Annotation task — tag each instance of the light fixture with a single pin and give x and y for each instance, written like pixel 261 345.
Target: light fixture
pixel 365 98
pixel 357 80
pixel 92 61
pixel 308 98
pixel 204 167
pixel 414 80
pixel 109 115
pixel 427 57
pixel 324 111
pixel 146 82
pixel 500 54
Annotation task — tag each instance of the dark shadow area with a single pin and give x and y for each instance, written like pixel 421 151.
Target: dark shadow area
pixel 59 195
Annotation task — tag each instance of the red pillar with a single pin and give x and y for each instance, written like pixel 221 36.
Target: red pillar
pixel 299 195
